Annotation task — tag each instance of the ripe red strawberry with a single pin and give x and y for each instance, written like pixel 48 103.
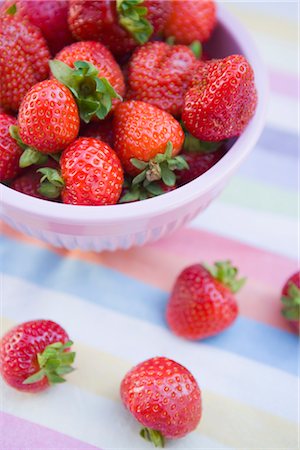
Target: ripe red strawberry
pixel 102 130
pixel 191 20
pixel 120 25
pixel 34 355
pixel 48 117
pixel 164 82
pixel 202 303
pixel 199 163
pixel 24 59
pixel 10 151
pixel 221 100
pixel 290 298
pixel 101 58
pixel 164 397
pixel 142 131
pixel 91 174
pixel 50 16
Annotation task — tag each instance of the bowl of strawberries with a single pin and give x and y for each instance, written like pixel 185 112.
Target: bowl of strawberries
pixel 121 120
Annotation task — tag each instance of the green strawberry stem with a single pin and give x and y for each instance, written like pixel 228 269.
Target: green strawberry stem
pixel 161 167
pixel 132 17
pixel 92 94
pixel 54 362
pixel 30 155
pixel 291 303
pixel 12 10
pixel 224 272
pixel 51 183
pixel 153 436
pixel 196 48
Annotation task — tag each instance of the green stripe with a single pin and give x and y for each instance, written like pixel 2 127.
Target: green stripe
pixel 261 197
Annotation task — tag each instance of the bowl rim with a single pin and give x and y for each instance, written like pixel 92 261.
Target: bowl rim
pixel 182 195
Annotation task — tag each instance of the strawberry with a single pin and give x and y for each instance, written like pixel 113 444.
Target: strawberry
pixel 10 151
pixel 101 66
pixel 24 59
pixel 120 25
pixel 202 303
pixel 50 16
pixel 102 130
pixel 29 182
pixel 221 100
pixel 164 397
pixel 147 140
pixel 191 20
pixel 199 163
pixel 290 298
pixel 91 174
pixel 34 355
pixel 162 83
pixel 48 117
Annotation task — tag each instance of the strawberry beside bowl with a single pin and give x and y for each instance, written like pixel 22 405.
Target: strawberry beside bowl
pixel 126 225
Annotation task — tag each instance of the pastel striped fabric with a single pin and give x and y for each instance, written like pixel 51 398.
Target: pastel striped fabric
pixel 113 304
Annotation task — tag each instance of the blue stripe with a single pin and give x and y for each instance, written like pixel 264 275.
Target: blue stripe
pixel 113 290
pixel 284 142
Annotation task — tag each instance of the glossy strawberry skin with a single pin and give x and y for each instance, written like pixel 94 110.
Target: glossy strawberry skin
pixel 200 306
pixel 221 100
pixel 19 348
pixel 199 163
pixel 24 59
pixel 48 117
pixel 98 20
pixel 164 396
pixel 102 130
pixel 142 131
pixel 92 173
pixel 165 81
pixel 98 55
pixel 50 16
pixel 10 151
pixel 191 20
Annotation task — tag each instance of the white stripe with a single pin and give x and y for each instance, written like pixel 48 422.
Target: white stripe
pixel 93 419
pixel 260 229
pixel 130 339
pixel 283 114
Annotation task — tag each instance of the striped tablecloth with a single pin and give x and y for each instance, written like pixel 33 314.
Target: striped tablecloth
pixel 112 304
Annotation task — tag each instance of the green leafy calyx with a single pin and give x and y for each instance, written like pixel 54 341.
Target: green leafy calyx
pixel 93 95
pixel 194 145
pixel 51 183
pixel 12 10
pixel 161 167
pixel 30 155
pixel 291 303
pixel 196 48
pixel 153 436
pixel 54 362
pixel 132 16
pixel 224 272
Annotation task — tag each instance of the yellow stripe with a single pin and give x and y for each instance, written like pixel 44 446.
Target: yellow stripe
pixel 261 22
pixel 225 420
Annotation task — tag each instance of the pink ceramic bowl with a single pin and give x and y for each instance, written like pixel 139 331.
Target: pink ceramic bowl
pixel 123 226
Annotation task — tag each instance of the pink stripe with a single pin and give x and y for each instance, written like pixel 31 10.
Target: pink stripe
pixel 21 434
pixel 284 84
pixel 255 263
